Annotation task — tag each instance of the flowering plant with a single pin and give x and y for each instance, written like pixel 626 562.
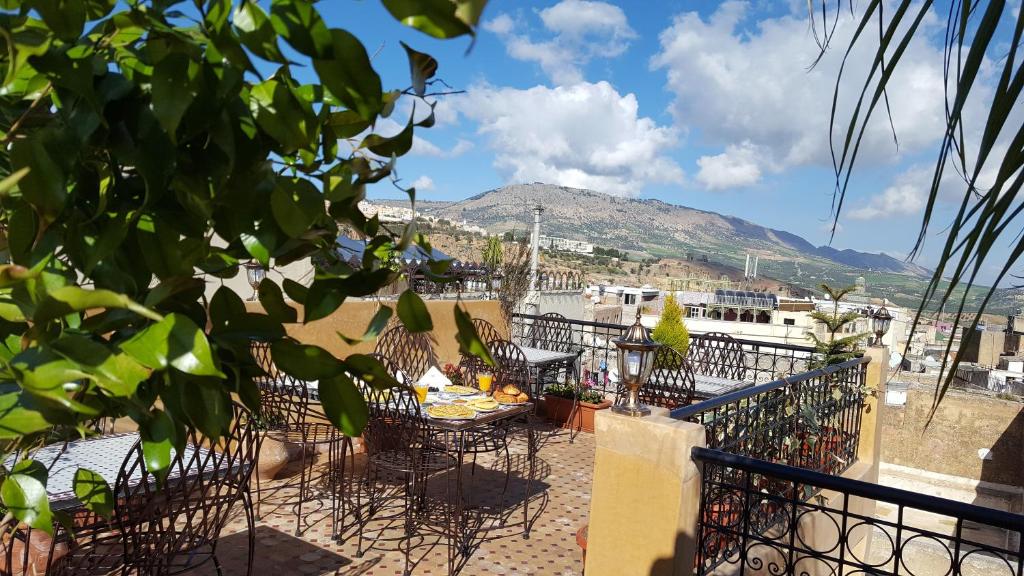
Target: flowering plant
pixel 585 393
pixel 453 373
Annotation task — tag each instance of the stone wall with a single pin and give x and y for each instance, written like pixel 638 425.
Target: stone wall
pixel 972 435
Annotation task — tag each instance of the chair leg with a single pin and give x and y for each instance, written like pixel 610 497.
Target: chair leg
pixel 251 521
pixel 302 489
pixel 504 489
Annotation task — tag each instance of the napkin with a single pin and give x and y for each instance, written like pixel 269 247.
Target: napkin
pixel 434 378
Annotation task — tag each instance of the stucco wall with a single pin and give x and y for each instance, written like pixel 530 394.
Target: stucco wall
pixel 963 425
pixel 354 315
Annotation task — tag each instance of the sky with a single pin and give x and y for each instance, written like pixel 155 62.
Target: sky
pixel 709 105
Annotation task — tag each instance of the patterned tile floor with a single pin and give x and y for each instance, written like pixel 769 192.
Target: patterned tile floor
pixel 558 504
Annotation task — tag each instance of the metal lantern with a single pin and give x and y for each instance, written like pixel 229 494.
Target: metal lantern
pixel 255 273
pixel 880 322
pixel 636 360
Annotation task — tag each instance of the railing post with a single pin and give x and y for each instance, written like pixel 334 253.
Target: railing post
pixel 646 496
pixel 870 447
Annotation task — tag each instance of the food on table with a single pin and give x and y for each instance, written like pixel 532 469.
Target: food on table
pixel 458 401
pixel 460 390
pixel 510 390
pixel 506 398
pixel 483 404
pixel 450 412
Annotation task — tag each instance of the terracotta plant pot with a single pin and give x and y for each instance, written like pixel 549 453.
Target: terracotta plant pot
pixel 559 409
pixel 274 455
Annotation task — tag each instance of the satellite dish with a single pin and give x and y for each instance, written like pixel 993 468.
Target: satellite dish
pixel 895 360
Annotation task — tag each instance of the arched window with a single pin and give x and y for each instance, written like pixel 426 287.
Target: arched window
pixel 747 316
pixel 730 315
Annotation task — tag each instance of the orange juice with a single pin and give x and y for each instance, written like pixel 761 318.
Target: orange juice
pixel 421 393
pixel 484 382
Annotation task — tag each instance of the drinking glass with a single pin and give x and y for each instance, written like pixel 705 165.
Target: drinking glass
pixel 421 392
pixel 484 382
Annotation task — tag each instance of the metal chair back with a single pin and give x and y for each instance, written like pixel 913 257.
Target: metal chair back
pixel 717 354
pixel 486 331
pixel 174 525
pixel 551 332
pixel 672 384
pixel 413 354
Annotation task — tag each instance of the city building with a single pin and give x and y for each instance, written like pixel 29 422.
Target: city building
pixel 566 245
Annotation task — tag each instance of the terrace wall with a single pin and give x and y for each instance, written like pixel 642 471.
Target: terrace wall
pixel 974 436
pixel 353 316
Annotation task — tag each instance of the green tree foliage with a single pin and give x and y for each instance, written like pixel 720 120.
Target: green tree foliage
pixel 150 147
pixel 835 348
pixel 670 330
pixel 493 253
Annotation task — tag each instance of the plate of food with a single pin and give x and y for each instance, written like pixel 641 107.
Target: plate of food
pixel 511 396
pixel 450 412
pixel 484 404
pixel 459 390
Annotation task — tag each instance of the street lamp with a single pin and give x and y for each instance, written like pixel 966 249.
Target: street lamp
pixel 636 360
pixel 255 273
pixel 880 321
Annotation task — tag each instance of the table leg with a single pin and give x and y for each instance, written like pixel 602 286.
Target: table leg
pixel 531 455
pixel 457 545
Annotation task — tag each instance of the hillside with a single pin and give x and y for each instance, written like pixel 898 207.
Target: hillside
pixel 650 227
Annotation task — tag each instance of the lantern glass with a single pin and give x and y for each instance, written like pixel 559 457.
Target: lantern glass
pixel 636 360
pixel 255 274
pixel 880 322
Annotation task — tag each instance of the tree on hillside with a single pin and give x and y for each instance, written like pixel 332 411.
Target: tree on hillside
pixel 670 330
pixel 150 147
pixel 979 159
pixel 835 349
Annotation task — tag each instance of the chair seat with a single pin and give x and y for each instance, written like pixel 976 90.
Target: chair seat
pixel 412 461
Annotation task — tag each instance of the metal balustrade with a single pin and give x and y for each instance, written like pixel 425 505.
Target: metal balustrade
pixel 758 517
pixel 811 420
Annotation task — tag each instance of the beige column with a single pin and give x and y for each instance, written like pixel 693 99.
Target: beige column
pixel 870 448
pixel 646 496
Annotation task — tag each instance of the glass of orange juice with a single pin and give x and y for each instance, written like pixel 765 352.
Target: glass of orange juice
pixel 421 392
pixel 484 381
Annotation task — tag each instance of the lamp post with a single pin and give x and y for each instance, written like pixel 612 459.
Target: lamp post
pixel 880 321
pixel 255 273
pixel 636 360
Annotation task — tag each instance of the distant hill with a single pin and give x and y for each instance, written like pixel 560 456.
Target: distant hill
pixel 656 228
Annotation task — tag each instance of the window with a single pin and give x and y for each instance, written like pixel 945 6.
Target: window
pixel 630 299
pixel 789 321
pixel 692 312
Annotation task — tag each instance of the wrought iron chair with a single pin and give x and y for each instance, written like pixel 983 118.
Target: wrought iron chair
pixel 156 528
pixel 292 410
pixel 487 331
pixel 717 354
pixel 411 353
pixel 671 385
pixel 399 446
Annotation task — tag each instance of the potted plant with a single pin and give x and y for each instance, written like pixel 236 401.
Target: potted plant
pixel 558 405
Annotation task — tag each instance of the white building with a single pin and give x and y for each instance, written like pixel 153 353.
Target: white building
pixel 566 245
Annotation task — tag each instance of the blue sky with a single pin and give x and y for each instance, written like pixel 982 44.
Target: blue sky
pixel 707 105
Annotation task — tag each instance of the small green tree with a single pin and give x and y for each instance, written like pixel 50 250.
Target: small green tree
pixel 492 257
pixel 670 330
pixel 835 349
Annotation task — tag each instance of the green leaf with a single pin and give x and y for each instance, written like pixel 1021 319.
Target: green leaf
pixel 256 31
pixel 94 492
pixel 349 76
pixel 370 370
pixel 256 248
pixel 283 116
pixel 11 180
pixel 376 326
pixel 347 123
pixel 295 291
pixel 305 361
pixel 17 419
pixel 437 18
pixel 43 185
pixel 158 439
pixel 175 86
pixel 322 299
pixel 24 495
pixel 300 23
pixel 273 302
pixel 65 17
pixel 396 145
pixel 469 341
pixel 413 312
pixel 343 404
pixel 63 301
pixel 296 205
pixel 422 67
pixel 174 341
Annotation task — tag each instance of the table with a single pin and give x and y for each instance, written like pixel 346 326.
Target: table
pixel 103 455
pixel 456 431
pixel 705 386
pixel 540 360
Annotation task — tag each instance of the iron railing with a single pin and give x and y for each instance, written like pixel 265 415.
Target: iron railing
pixel 756 518
pixel 811 420
pixel 760 362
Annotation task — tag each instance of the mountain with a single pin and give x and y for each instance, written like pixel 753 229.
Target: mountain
pixel 650 226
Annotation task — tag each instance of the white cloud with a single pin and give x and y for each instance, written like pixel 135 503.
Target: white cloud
pixel 423 183
pixel 582 30
pixel 737 167
pixel 750 90
pixel 585 135
pixel 904 197
pixel 423 147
